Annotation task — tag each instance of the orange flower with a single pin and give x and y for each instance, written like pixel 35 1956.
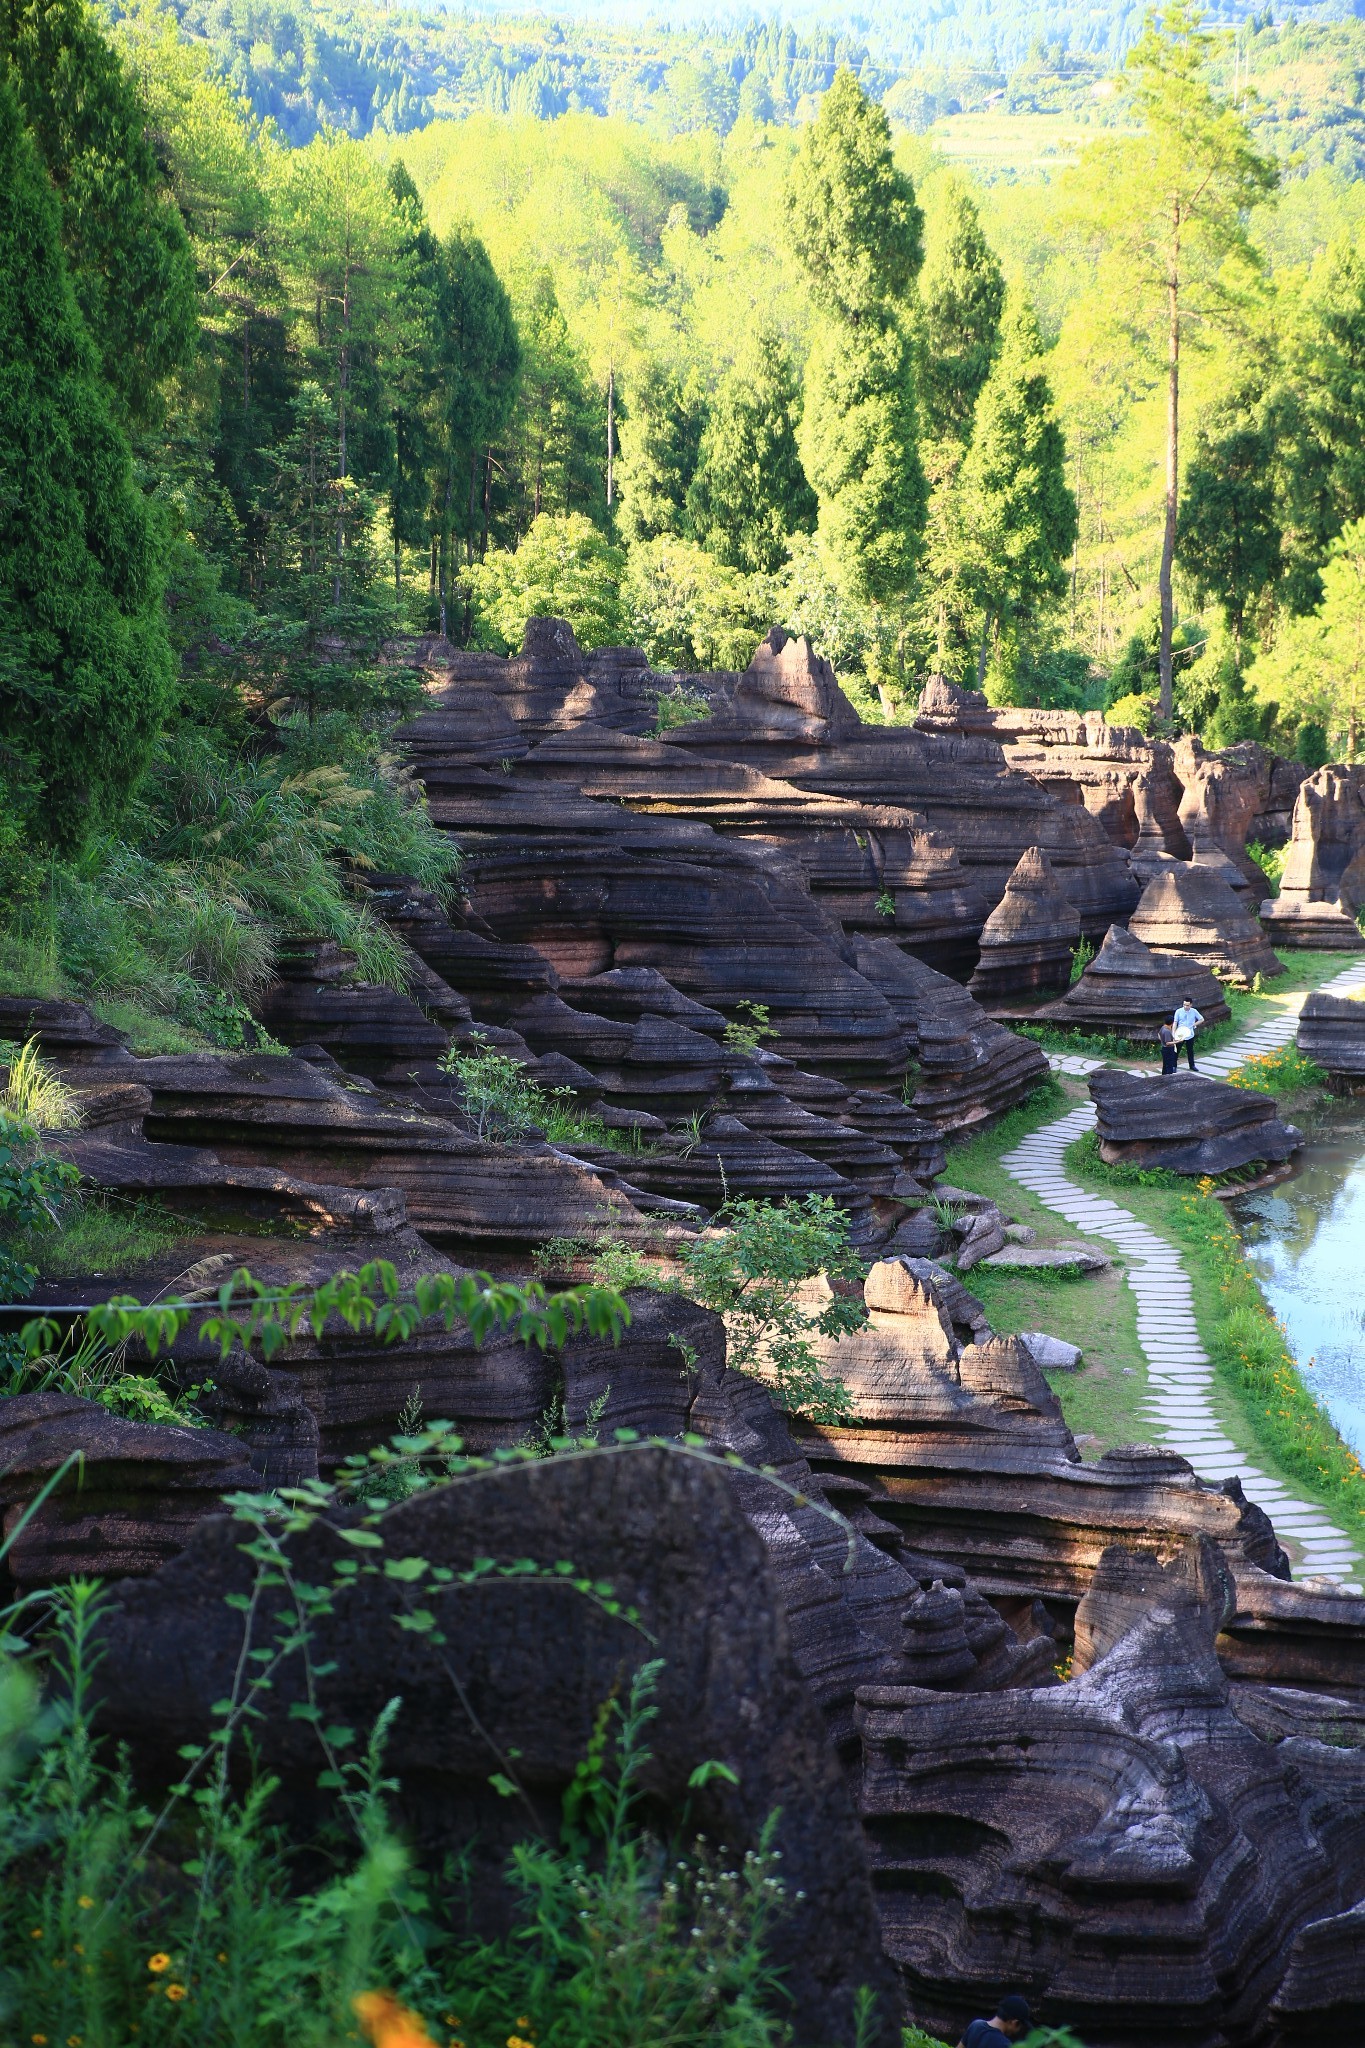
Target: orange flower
pixel 388 2024
pixel 159 1962
pixel 175 1992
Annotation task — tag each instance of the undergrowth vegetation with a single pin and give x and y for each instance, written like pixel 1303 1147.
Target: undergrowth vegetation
pixel 190 1918
pixel 1286 1071
pixel 237 840
pixel 756 1266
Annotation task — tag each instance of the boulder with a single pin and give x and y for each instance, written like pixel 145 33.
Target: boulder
pixel 1322 885
pixel 1332 1032
pixel 1131 990
pixel 1051 1354
pixel 535 1661
pixel 1073 1256
pixel 1028 939
pixel 1190 910
pixel 1187 1124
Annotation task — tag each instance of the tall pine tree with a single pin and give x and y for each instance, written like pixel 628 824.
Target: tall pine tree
pixel 750 492
pixel 1018 512
pixel 961 299
pixel 125 242
pixel 855 227
pixel 85 666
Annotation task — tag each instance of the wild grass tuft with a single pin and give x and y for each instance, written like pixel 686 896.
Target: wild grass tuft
pixel 32 1092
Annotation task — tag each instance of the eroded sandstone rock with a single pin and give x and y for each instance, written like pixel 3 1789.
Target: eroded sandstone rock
pixel 1190 910
pixel 1323 882
pixel 1331 1031
pixel 1028 939
pixel 1131 989
pixel 1187 1123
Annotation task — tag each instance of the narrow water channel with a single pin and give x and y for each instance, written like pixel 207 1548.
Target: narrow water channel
pixel 1306 1241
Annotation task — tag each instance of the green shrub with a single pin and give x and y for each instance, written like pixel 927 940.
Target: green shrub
pixel 505 1105
pixel 1270 860
pixel 749 1027
pixel 679 706
pixel 751 1269
pixel 34 1189
pixel 1081 956
pixel 565 568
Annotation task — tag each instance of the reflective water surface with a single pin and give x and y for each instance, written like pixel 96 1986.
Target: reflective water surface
pixel 1306 1240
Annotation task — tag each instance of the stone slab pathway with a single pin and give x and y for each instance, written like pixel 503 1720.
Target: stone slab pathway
pixel 1179 1370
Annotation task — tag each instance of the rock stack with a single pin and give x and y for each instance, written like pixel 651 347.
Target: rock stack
pixel 1130 990
pixel 1332 1032
pixel 1189 1124
pixel 1323 883
pixel 1189 909
pixel 1028 939
pixel 970 1067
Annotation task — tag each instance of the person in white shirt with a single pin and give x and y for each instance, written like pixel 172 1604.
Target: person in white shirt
pixel 1187 1021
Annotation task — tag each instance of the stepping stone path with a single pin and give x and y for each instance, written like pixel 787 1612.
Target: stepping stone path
pixel 1179 1370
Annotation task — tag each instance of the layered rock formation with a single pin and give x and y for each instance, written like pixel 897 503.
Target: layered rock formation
pixel 1191 910
pixel 990 1836
pixel 1131 990
pixel 1189 1124
pixel 1323 883
pixel 1028 939
pixel 1332 1032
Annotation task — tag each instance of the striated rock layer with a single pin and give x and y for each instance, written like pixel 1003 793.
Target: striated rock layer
pixel 1028 939
pixel 1332 1032
pixel 1190 910
pixel 1131 989
pixel 1188 1123
pixel 1322 886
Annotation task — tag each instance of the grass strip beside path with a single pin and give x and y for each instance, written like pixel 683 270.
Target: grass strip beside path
pixel 1104 1402
pixel 1259 1394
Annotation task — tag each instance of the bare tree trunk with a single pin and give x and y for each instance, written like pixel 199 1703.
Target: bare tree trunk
pixel 1172 473
pixel 1076 547
pixel 611 433
pixel 981 656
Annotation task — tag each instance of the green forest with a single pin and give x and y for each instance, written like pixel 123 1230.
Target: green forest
pixel 296 361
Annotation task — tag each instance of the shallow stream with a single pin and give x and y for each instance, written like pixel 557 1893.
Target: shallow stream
pixel 1306 1241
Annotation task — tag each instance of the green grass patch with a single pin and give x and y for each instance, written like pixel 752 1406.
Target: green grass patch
pixel 99 1234
pixel 1258 1393
pixel 1102 1401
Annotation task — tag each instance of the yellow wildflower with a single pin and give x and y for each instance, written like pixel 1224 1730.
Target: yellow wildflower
pixel 175 1992
pixel 159 1962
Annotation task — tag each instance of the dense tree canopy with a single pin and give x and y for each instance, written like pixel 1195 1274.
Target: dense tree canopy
pixel 85 663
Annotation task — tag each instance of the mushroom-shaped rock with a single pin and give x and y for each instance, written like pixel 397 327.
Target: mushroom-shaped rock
pixel 1189 1124
pixel 1028 939
pixel 1131 989
pixel 1189 909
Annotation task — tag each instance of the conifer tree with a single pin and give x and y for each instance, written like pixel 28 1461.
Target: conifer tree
pixel 1018 512
pixel 479 360
pixel 661 435
pixel 127 251
pixel 961 299
pixel 750 492
pixel 855 226
pixel 85 664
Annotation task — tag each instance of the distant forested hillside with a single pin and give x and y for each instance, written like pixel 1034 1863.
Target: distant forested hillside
pixel 360 67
